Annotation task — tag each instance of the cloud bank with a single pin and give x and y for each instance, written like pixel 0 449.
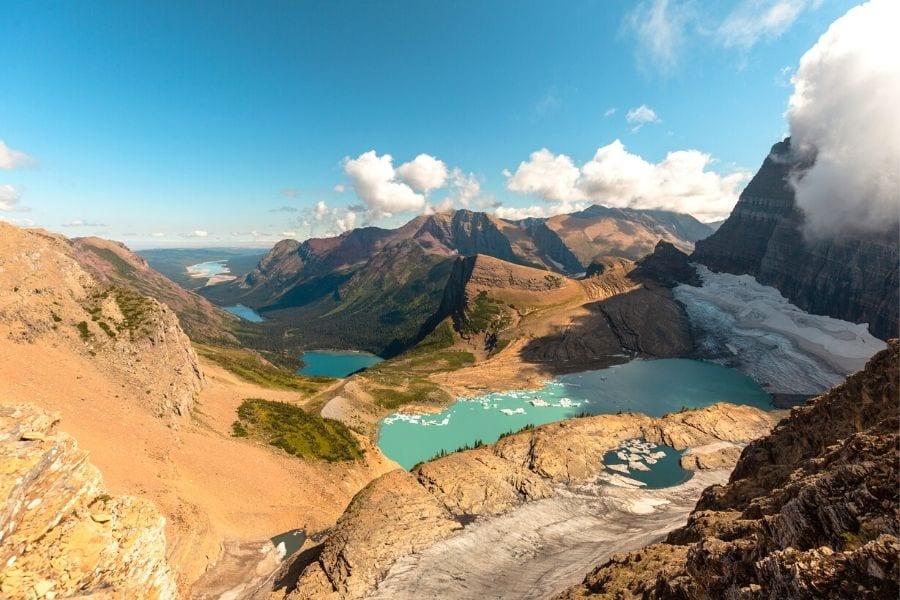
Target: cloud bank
pixel 615 177
pixel 844 112
pixel 9 198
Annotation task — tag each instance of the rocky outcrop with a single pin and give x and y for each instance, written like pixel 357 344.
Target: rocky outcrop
pixel 45 294
pixel 403 513
pixel 61 535
pixel 667 266
pixel 852 278
pixel 810 510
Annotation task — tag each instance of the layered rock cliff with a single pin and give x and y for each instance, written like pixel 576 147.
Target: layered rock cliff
pixel 61 535
pixel 403 513
pixel 810 510
pixel 852 278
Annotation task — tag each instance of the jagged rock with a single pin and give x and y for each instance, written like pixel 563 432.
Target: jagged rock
pixel 851 277
pixel 810 510
pixel 51 542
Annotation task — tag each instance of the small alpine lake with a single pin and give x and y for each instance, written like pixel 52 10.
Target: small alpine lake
pixel 244 312
pixel 335 363
pixel 652 387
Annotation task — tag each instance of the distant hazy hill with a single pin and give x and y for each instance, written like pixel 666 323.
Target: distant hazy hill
pixel 173 262
pixel 376 289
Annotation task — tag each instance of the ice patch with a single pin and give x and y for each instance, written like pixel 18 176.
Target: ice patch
pixel 773 341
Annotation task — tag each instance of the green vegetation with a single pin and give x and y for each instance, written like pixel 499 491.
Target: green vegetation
pixel 527 427
pixel 56 318
pixel 295 431
pixel 487 314
pixel 251 367
pixel 106 328
pixel 83 331
pixel 135 308
pixel 415 392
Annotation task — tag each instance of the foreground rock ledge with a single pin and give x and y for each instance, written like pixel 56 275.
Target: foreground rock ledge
pixel 810 510
pixel 403 513
pixel 60 533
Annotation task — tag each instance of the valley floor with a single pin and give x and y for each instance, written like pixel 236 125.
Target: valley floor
pixel 545 546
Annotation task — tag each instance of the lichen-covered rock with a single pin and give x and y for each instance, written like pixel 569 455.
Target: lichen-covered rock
pixel 811 510
pixel 60 534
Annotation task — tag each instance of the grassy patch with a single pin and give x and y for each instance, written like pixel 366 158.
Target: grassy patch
pixel 83 331
pixel 252 368
pixel 485 314
pixel 295 431
pixel 416 391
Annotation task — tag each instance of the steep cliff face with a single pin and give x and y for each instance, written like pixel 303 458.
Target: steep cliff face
pixel 851 278
pixel 810 510
pixel 61 535
pixel 46 296
pixel 401 513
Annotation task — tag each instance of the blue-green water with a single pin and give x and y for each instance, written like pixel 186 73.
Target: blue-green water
pixel 336 363
pixel 244 312
pixel 208 269
pixel 654 388
pixel 654 466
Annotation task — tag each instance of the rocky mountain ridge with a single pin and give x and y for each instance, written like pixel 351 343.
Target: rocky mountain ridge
pixel 854 278
pixel 47 296
pixel 810 510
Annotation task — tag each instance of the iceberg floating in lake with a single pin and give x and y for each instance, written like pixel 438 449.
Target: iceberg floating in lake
pixel 539 402
pixel 512 411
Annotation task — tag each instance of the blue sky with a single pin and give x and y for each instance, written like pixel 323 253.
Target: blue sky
pixel 223 125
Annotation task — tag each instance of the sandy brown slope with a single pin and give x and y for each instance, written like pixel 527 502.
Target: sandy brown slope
pixel 115 395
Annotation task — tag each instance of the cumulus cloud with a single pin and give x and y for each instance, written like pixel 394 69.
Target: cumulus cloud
pixel 609 112
pixel 640 116
pixel 375 182
pixel 614 177
pixel 288 234
pixel 538 211
pixel 424 173
pixel 13 159
pixel 844 114
pixel 340 189
pixel 197 233
pixel 754 20
pixel 10 196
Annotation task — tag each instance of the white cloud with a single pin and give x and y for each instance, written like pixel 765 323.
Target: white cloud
pixel 199 233
pixel 466 188
pixel 158 234
pixel 609 112
pixel 545 210
pixel 339 188
pixel 660 27
pixel 13 159
pixel 345 222
pixel 289 234
pixel 21 222
pixel 375 183
pixel 754 20
pixel 10 196
pixel 424 173
pixel 844 112
pixel 641 115
pixel 614 177
pixel 546 175
pixel 320 210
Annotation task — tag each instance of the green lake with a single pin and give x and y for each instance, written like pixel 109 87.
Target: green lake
pixel 652 387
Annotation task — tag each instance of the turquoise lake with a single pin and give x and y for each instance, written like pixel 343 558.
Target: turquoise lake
pixel 650 465
pixel 244 312
pixel 208 269
pixel 336 363
pixel 652 387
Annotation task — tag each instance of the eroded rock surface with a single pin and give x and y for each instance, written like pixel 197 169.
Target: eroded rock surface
pixel 401 513
pixel 810 510
pixel 61 535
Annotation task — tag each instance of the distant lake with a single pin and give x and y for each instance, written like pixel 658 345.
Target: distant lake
pixel 244 312
pixel 208 269
pixel 327 363
pixel 652 387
